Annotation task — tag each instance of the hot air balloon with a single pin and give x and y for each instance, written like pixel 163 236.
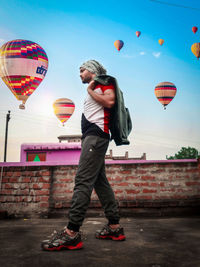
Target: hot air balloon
pixel 165 92
pixel 161 41
pixel 23 67
pixel 138 33
pixel 194 29
pixel 118 44
pixel 63 109
pixel 196 49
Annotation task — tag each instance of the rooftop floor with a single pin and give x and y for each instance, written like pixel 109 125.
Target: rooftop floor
pixel 151 242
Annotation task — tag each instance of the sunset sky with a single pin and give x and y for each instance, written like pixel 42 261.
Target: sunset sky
pixel 72 32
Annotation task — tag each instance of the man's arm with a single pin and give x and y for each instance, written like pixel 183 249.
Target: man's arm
pixel 107 99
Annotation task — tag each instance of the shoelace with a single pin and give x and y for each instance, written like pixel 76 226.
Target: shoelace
pixel 55 235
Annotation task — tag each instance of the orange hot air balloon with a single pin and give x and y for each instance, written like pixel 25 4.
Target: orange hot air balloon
pixel 119 44
pixel 161 41
pixel 196 49
pixel 194 29
pixel 23 67
pixel 63 109
pixel 165 92
pixel 138 33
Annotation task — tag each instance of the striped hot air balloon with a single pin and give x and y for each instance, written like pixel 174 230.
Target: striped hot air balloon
pixel 63 109
pixel 165 92
pixel 118 44
pixel 23 67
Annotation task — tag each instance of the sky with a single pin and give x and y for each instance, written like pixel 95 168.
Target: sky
pixel 72 32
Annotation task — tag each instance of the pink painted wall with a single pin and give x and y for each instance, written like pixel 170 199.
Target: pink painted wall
pixel 67 153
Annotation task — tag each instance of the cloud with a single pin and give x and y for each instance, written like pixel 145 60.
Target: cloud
pixel 2 40
pixel 142 53
pixel 156 54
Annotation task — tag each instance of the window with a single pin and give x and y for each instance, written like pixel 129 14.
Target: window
pixel 36 156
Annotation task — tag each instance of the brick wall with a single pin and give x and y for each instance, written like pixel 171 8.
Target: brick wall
pixel 41 189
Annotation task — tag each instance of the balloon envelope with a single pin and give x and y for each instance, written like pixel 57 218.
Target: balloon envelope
pixel 23 67
pixel 138 33
pixel 196 49
pixel 161 41
pixel 63 109
pixel 194 29
pixel 118 44
pixel 165 92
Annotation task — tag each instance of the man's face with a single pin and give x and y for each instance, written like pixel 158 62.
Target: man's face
pixel 85 75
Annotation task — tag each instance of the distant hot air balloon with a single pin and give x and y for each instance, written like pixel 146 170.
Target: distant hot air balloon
pixel 165 92
pixel 63 109
pixel 161 41
pixel 194 29
pixel 118 44
pixel 196 49
pixel 23 67
pixel 138 33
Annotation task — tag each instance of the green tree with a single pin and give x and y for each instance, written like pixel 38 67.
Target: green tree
pixel 185 153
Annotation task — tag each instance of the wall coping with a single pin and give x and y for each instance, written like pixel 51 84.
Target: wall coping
pixel 108 162
pixel 50 146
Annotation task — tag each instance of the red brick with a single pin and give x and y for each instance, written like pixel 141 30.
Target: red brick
pixel 132 177
pixel 117 191
pixel 141 184
pixel 43 199
pixel 122 184
pixel 145 191
pixel 44 179
pixel 25 179
pixel 143 197
pixel 13 180
pixel 46 186
pixel 148 177
pixel 192 170
pixel 5 180
pixel 6 192
pixel 46 173
pixel 44 205
pixel 192 183
pixel 167 190
pixel 66 180
pixel 8 186
pixel 156 184
pixel 37 186
pixel 116 178
pixel 132 191
pixel 43 192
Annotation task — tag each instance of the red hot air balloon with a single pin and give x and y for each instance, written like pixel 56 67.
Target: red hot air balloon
pixel 23 67
pixel 165 92
pixel 194 29
pixel 138 33
pixel 63 109
pixel 118 44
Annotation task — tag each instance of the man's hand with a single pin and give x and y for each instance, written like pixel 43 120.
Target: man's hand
pixel 91 86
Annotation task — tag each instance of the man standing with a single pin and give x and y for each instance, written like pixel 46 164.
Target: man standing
pixel 91 170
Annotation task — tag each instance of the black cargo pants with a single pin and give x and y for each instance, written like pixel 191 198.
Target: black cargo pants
pixel 91 175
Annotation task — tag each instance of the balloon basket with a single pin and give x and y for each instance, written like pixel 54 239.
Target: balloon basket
pixel 22 106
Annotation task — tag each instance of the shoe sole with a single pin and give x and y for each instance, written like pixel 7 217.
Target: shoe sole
pixel 119 238
pixel 78 246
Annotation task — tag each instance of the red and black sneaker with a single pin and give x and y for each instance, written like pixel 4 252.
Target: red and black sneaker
pixel 108 233
pixel 61 240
